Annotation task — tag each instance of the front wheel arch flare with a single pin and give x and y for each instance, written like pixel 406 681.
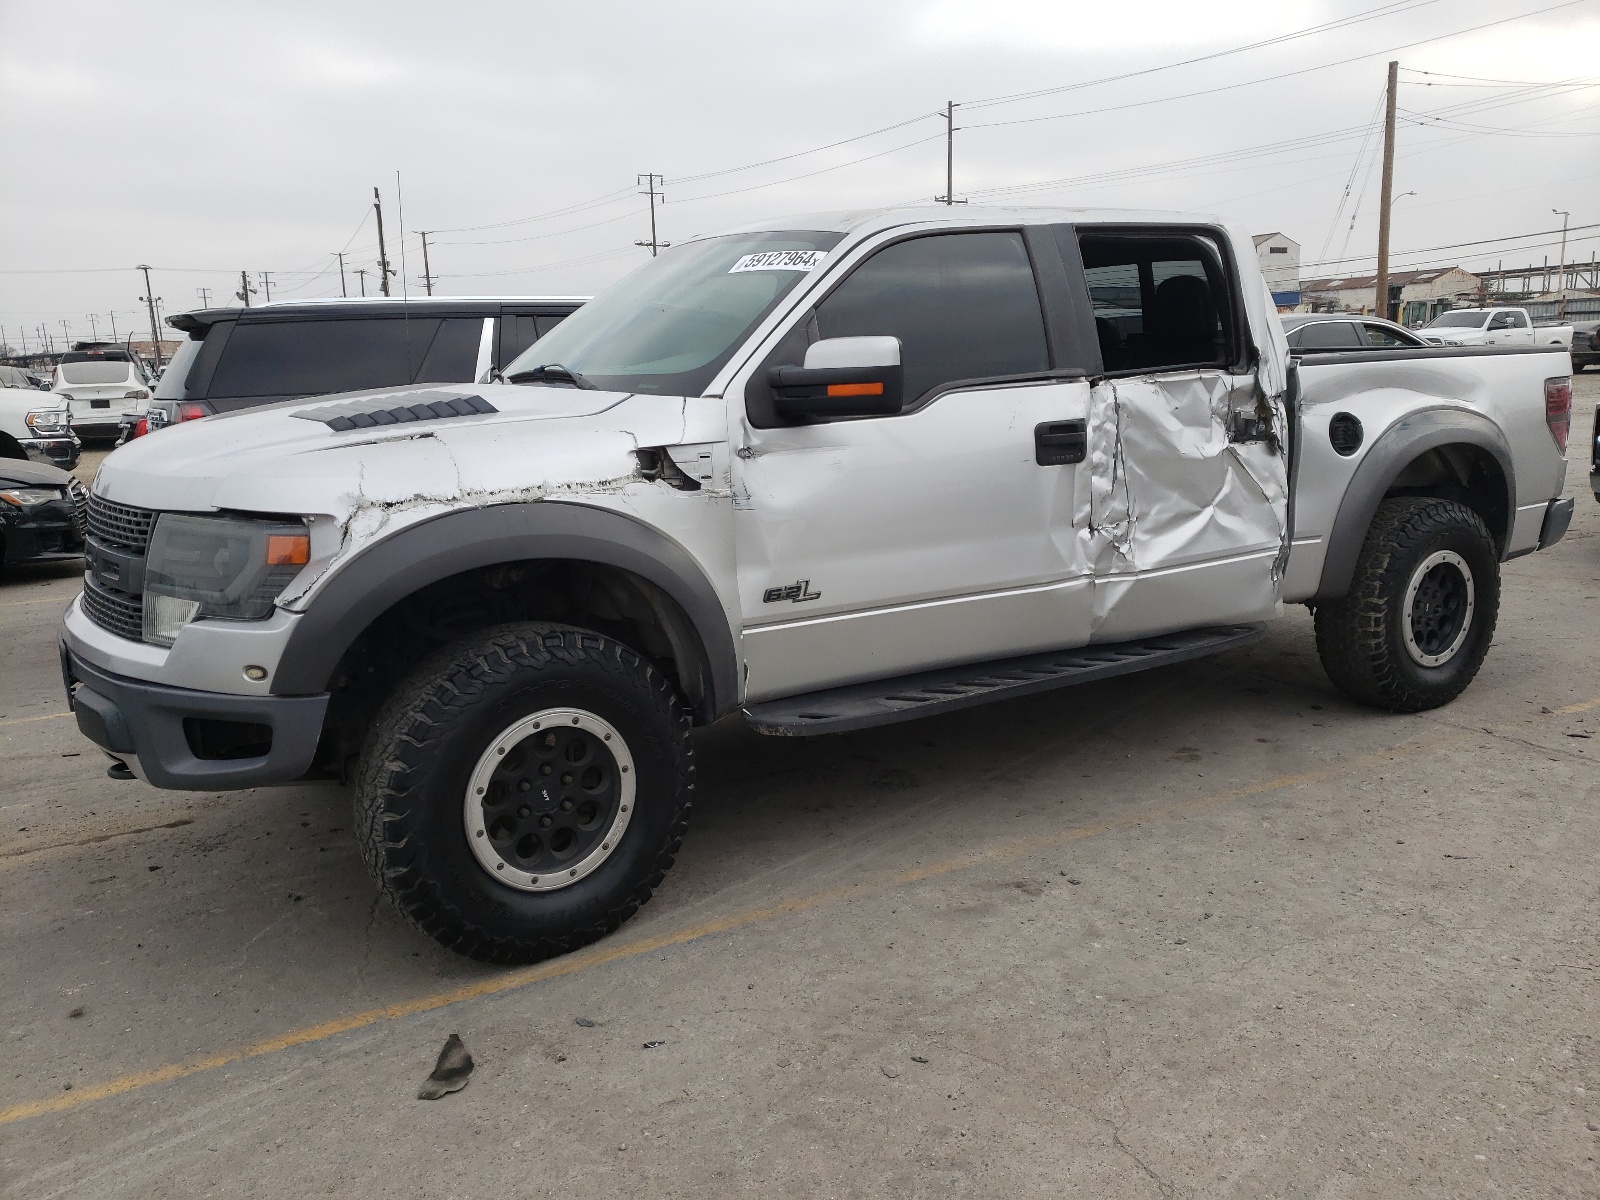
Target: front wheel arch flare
pixel 363 589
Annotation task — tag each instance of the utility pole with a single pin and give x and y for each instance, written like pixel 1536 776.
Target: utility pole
pixel 266 282
pixel 383 255
pixel 949 196
pixel 655 244
pixel 205 297
pixel 1561 270
pixel 149 298
pixel 343 290
pixel 362 271
pixel 66 334
pixel 114 325
pixel 1382 287
pixel 427 275
pixel 245 290
pixel 94 330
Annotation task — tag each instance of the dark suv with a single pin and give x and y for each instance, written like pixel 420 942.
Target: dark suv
pixel 237 358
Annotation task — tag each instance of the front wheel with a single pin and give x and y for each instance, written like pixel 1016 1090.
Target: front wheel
pixel 1417 621
pixel 524 791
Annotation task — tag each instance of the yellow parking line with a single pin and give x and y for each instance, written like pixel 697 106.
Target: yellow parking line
pixel 1578 708
pixel 29 720
pixel 603 954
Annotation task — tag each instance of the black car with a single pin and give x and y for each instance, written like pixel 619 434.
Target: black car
pixel 42 513
pixel 1585 344
pixel 1331 333
pixel 236 358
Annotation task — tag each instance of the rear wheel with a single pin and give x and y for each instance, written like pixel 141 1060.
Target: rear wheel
pixel 525 791
pixel 1414 628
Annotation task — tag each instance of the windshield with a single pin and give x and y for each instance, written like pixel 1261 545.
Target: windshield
pixel 1457 320
pixel 96 372
pixel 670 326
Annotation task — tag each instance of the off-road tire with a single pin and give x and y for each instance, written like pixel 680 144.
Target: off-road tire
pixel 420 754
pixel 1361 638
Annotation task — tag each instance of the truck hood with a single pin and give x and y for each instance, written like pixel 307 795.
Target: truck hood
pixel 301 457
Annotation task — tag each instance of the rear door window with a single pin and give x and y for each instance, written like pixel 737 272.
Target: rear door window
pixel 964 306
pixel 1379 335
pixel 453 356
pixel 518 331
pixel 1159 302
pixel 1331 335
pixel 304 358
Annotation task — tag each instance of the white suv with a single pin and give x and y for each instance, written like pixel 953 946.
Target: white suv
pixel 99 386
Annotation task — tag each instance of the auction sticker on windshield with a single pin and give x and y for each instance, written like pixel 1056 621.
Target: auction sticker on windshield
pixel 778 260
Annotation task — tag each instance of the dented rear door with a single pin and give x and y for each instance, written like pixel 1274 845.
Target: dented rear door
pixel 1188 513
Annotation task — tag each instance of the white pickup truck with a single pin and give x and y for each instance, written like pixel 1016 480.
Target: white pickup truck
pixel 1493 327
pixel 33 423
pixel 831 471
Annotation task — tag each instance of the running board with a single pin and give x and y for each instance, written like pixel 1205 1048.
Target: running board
pixel 907 697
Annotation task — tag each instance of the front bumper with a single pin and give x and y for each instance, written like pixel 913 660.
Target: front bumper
pixel 41 533
pixel 57 451
pixel 190 740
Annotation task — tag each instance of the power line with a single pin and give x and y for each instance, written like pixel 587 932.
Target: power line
pixel 1384 10
pixel 1229 87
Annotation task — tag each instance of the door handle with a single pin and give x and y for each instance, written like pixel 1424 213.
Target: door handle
pixel 1060 443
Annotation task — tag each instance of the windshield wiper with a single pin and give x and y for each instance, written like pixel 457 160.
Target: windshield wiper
pixel 552 371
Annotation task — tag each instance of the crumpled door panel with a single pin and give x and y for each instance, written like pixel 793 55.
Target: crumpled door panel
pixel 1185 527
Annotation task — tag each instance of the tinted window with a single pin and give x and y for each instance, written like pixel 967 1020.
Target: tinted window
pixel 1159 302
pixel 963 305
pixel 96 372
pixel 303 358
pixel 1330 335
pixel 518 331
pixel 1519 320
pixel 453 356
pixel 1389 339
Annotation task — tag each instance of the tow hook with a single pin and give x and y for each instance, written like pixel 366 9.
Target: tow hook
pixel 119 770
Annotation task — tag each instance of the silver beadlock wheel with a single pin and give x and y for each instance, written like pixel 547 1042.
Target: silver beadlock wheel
pixel 549 800
pixel 1437 615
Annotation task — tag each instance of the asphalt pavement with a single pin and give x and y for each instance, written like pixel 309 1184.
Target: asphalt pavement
pixel 1211 930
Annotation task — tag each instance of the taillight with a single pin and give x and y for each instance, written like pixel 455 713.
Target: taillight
pixel 1558 408
pixel 140 427
pixel 188 412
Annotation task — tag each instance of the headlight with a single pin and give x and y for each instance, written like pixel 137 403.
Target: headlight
pixel 51 422
pixel 225 567
pixel 26 497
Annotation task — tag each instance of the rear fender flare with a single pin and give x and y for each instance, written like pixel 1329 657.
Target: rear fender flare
pixel 361 590
pixel 1390 454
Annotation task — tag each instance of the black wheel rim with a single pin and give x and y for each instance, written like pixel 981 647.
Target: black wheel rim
pixel 551 799
pixel 1439 609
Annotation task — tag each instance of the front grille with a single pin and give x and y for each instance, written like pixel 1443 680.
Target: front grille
pixel 120 525
pixel 122 614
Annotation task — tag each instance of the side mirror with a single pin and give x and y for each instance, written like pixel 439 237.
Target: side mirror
pixel 842 377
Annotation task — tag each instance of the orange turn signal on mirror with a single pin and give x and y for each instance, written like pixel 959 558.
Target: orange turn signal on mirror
pixel 855 389
pixel 288 549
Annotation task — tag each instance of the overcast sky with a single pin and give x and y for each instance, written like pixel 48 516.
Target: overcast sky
pixel 209 139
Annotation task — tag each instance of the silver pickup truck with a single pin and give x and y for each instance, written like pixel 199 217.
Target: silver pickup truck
pixel 829 471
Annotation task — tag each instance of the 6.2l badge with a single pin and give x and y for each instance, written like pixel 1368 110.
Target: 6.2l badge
pixel 797 592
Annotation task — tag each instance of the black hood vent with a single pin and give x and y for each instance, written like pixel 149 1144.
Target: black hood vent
pixel 374 411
